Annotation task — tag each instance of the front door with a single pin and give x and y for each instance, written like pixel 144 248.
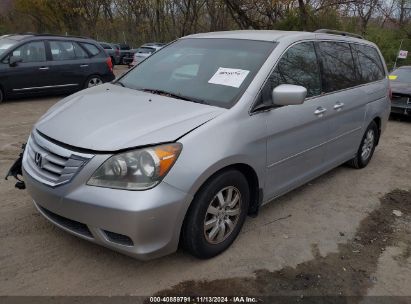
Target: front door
pixel 32 73
pixel 297 134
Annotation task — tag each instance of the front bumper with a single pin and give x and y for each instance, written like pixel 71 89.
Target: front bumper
pixel 142 224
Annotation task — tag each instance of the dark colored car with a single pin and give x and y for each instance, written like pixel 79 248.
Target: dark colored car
pixel 401 90
pixel 47 64
pixel 112 50
pixel 124 52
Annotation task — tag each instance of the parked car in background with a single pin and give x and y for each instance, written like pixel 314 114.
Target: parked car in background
pixel 145 51
pixel 129 57
pixel 124 51
pixel 47 64
pixel 113 51
pixel 401 90
pixel 203 133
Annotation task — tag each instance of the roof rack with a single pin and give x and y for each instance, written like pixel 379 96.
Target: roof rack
pixel 51 35
pixel 334 32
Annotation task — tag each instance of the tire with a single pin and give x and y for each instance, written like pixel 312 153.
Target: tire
pixel 92 81
pixel 2 97
pixel 367 147
pixel 208 241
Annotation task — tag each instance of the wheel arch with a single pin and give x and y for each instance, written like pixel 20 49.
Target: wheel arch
pixel 377 120
pixel 256 192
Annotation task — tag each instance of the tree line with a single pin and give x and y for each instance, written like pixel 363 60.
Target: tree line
pixel 386 22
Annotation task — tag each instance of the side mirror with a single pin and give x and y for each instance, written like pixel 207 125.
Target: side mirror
pixel 288 94
pixel 13 61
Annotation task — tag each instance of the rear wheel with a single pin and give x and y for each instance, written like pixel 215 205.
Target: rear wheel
pixel 1 95
pixel 93 81
pixel 216 215
pixel 367 147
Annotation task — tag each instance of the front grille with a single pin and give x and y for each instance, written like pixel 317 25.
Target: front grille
pixel 72 225
pixel 118 238
pixel 51 164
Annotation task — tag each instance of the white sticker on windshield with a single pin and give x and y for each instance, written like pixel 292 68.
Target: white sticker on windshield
pixel 229 77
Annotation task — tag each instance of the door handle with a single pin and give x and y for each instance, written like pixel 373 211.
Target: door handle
pixel 320 111
pixel 338 106
pixel 44 68
pixel 83 65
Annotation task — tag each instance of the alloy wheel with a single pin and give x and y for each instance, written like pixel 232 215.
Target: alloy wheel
pixel 222 215
pixel 367 145
pixel 94 81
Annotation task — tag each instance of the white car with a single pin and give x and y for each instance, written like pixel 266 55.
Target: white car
pixel 143 52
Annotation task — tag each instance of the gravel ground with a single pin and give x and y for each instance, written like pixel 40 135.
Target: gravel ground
pixel 336 235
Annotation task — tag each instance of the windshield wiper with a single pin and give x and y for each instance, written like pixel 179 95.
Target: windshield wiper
pixel 173 95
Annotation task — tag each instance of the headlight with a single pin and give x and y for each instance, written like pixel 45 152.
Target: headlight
pixel 136 170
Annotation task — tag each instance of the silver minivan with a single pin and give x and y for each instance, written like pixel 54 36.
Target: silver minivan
pixel 183 147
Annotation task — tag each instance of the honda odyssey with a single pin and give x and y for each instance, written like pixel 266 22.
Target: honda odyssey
pixel 184 146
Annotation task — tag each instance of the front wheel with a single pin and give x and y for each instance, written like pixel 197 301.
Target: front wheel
pixel 216 215
pixel 367 147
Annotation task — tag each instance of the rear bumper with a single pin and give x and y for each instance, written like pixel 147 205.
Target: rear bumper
pixel 108 77
pixel 401 109
pixel 127 60
pixel 141 224
pixel 401 105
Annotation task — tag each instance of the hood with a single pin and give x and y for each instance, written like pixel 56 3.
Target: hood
pixel 111 118
pixel 401 88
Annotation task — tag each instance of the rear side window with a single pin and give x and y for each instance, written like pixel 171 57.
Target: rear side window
pixel 62 50
pixel 79 51
pixel 106 46
pixel 145 50
pixel 338 69
pixel 298 66
pixel 31 52
pixel 93 50
pixel 370 65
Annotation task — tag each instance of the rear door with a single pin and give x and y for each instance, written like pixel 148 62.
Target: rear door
pixel 70 64
pixel 372 72
pixel 296 134
pixel 346 103
pixel 32 74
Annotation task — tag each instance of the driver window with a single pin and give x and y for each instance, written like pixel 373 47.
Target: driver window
pixel 31 52
pixel 298 66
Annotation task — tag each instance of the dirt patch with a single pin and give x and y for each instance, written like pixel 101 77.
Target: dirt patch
pixel 348 272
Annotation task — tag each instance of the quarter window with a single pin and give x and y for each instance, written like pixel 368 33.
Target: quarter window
pixel 298 66
pixel 106 46
pixel 371 68
pixel 91 48
pixel 338 69
pixel 31 52
pixel 79 51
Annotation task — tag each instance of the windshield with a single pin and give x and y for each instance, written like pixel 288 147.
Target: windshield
pixel 211 71
pixel 6 44
pixel 401 75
